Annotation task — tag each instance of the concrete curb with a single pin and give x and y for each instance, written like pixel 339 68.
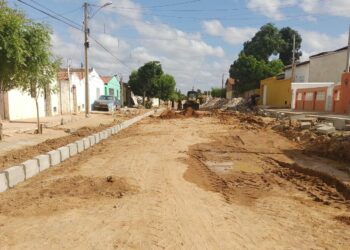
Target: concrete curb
pixel 10 177
pixel 31 168
pixel 43 161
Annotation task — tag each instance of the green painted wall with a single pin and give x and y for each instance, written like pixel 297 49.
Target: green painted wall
pixel 113 88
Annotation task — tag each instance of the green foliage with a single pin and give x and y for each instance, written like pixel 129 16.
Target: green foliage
pixel 271 41
pixel 40 68
pixel 218 92
pixel 248 71
pixel 267 41
pixel 12 47
pixel 149 80
pixel 164 87
pixel 286 48
pixel 135 84
pixel 254 65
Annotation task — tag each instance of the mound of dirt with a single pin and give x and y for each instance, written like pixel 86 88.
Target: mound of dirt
pixel 187 113
pixel 330 146
pixel 168 114
pixel 72 192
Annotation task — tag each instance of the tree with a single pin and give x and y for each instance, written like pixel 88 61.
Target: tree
pixel 39 67
pixel 12 47
pixel 147 74
pixel 266 41
pixel 164 87
pixel 286 48
pixel 135 84
pixel 248 71
pixel 218 92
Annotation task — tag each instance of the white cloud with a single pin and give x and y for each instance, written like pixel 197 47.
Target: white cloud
pixel 232 35
pixel 185 55
pixel 273 8
pixel 125 8
pixel 330 7
pixel 270 8
pixel 315 42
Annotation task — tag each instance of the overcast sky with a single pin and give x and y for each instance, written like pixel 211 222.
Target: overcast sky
pixel 195 40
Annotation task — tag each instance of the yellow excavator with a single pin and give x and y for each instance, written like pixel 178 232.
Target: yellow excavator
pixel 191 100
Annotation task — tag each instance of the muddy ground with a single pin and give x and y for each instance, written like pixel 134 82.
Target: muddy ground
pixel 193 183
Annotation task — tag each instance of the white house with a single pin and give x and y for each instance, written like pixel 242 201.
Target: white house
pixel 65 96
pixel 302 71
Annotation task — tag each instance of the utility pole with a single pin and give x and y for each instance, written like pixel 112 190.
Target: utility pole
pixel 222 85
pixel 348 56
pixel 293 63
pixel 86 45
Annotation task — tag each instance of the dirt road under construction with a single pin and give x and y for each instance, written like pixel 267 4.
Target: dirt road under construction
pixel 185 183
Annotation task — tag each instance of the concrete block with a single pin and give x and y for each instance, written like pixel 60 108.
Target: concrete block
pixel 97 138
pixel 92 140
pixel 31 168
pixel 73 149
pixel 339 124
pixel 55 157
pixel 326 130
pixel 64 152
pixel 102 137
pixel 3 182
pixel 86 141
pixel 44 162
pixel 109 132
pixel 80 146
pixel 347 127
pixel 14 175
pixel 305 125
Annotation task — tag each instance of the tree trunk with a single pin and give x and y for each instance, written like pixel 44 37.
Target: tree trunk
pixel 37 115
pixel 144 97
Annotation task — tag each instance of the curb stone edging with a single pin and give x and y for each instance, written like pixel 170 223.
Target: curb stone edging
pixel 14 175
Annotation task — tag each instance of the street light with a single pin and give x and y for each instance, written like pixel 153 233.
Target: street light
pixel 86 45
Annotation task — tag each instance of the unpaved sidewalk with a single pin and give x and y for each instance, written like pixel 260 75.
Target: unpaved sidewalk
pixel 18 135
pixel 175 184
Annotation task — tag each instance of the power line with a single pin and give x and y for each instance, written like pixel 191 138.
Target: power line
pixel 69 24
pixel 50 15
pixel 65 13
pixel 69 20
pixel 109 52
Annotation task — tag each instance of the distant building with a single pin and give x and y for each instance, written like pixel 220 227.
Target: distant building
pixel 230 82
pixel 328 66
pixel 65 95
pixel 112 86
pixel 301 74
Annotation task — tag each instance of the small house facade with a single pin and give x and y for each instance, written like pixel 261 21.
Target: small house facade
pixel 112 86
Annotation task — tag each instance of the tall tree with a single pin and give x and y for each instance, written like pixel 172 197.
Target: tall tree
pixel 286 48
pixel 12 47
pixel 147 74
pixel 134 83
pixel 266 41
pixel 164 87
pixel 248 71
pixel 39 67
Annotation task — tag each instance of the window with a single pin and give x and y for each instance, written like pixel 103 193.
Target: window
pixel 111 92
pixel 321 96
pixel 309 96
pixel 300 97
